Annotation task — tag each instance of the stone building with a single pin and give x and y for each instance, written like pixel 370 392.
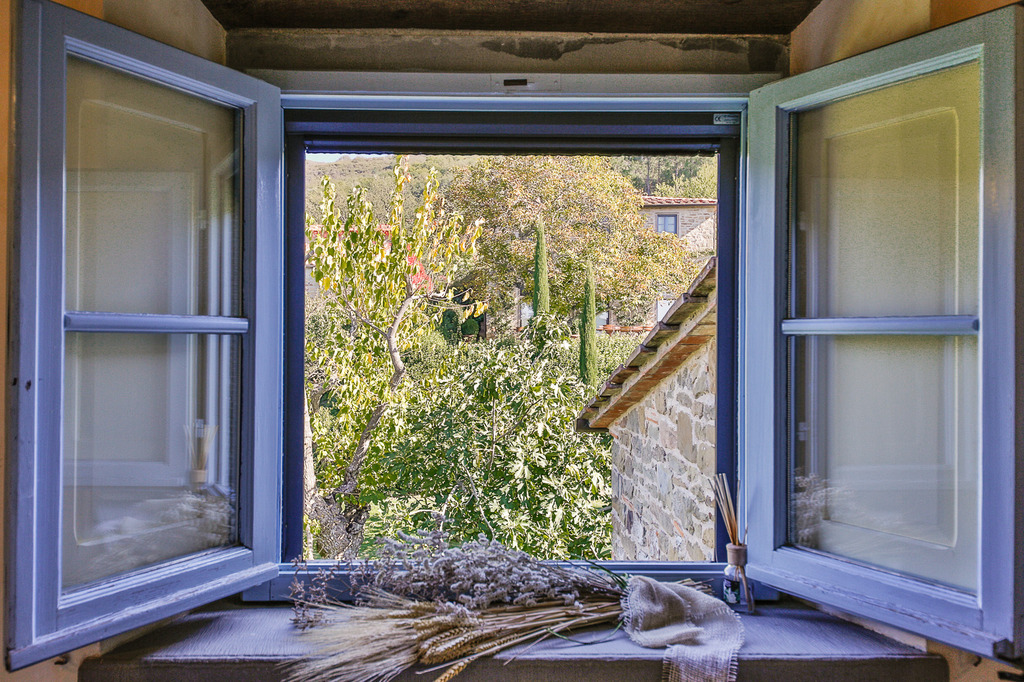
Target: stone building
pixel 678 215
pixel 659 407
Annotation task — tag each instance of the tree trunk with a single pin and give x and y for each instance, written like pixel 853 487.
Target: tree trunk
pixel 341 528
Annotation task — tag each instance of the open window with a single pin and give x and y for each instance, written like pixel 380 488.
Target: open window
pixel 342 125
pixel 880 358
pixel 145 373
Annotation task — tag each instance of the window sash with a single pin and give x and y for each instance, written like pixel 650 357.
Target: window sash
pixel 989 622
pixel 43 620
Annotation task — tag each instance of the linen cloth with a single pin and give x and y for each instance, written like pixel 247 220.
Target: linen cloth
pixel 702 633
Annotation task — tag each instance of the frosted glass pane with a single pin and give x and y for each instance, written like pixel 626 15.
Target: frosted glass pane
pixel 885 448
pixel 150 450
pixel 151 202
pixel 886 211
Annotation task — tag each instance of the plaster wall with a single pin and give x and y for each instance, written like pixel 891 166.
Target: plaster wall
pixel 184 24
pixel 837 29
pixel 501 52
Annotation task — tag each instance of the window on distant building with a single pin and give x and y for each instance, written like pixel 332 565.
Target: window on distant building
pixel 668 223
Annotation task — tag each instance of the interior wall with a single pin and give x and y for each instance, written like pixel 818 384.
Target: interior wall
pixel 838 29
pixel 184 24
pixel 947 11
pixel 503 52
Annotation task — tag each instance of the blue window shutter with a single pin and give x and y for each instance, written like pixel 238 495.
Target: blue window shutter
pixel 990 620
pixel 43 619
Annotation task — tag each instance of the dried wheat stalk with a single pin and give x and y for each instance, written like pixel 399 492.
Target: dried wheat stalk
pixel 441 607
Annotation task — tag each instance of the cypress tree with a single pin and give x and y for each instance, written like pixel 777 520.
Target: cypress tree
pixel 541 297
pixel 588 332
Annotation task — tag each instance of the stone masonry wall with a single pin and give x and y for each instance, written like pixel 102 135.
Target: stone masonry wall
pixel 687 217
pixel 663 458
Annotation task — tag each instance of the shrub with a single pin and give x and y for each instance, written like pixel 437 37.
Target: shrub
pixel 450 327
pixel 612 350
pixel 470 327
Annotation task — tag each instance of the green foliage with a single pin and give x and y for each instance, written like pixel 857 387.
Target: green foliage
pixel 612 350
pixel 651 174
pixel 489 441
pixel 541 294
pixel 383 281
pixel 429 352
pixel 591 213
pixel 588 333
pixel 703 184
pixel 373 172
pixel 547 333
pixel 376 269
pixel 470 327
pixel 450 327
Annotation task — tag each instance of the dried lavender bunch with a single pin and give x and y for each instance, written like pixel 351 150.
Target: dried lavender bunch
pixel 310 597
pixel 478 574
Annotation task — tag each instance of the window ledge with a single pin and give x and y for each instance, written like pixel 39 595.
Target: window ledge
pixel 227 642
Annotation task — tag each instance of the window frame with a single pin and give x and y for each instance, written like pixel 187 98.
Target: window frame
pixel 481 124
pixel 990 623
pixel 43 619
pixel 675 223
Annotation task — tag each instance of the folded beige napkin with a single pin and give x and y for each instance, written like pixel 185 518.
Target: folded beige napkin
pixel 702 633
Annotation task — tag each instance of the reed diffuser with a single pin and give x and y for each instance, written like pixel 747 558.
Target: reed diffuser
pixel 736 550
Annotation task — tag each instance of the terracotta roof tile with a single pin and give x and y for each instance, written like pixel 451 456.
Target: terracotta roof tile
pixel 677 201
pixel 687 325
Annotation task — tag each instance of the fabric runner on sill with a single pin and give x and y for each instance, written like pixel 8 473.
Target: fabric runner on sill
pixel 702 634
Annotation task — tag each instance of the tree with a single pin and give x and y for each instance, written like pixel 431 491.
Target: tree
pixel 591 213
pixel 588 332
pixel 657 175
pixel 491 445
pixel 383 283
pixel 702 185
pixel 541 295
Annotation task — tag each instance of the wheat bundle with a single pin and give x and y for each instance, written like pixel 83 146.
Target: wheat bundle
pixel 425 603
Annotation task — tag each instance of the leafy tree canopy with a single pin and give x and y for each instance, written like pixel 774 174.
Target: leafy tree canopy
pixel 488 441
pixel 591 212
pixel 668 175
pixel 384 280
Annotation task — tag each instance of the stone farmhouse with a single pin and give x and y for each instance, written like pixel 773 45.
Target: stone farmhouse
pixel 680 215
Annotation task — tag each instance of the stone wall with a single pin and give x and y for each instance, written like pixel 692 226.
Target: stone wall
pixel 687 217
pixel 663 458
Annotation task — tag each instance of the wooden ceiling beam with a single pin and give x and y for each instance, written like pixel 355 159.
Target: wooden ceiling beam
pixel 750 17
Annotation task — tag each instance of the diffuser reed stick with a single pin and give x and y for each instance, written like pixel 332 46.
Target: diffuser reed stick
pixel 736 550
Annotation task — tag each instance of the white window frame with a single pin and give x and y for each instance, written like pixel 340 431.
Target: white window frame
pixel 990 622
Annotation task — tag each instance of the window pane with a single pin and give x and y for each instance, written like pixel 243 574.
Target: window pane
pixel 885 448
pixel 152 219
pixel 887 186
pixel 150 450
